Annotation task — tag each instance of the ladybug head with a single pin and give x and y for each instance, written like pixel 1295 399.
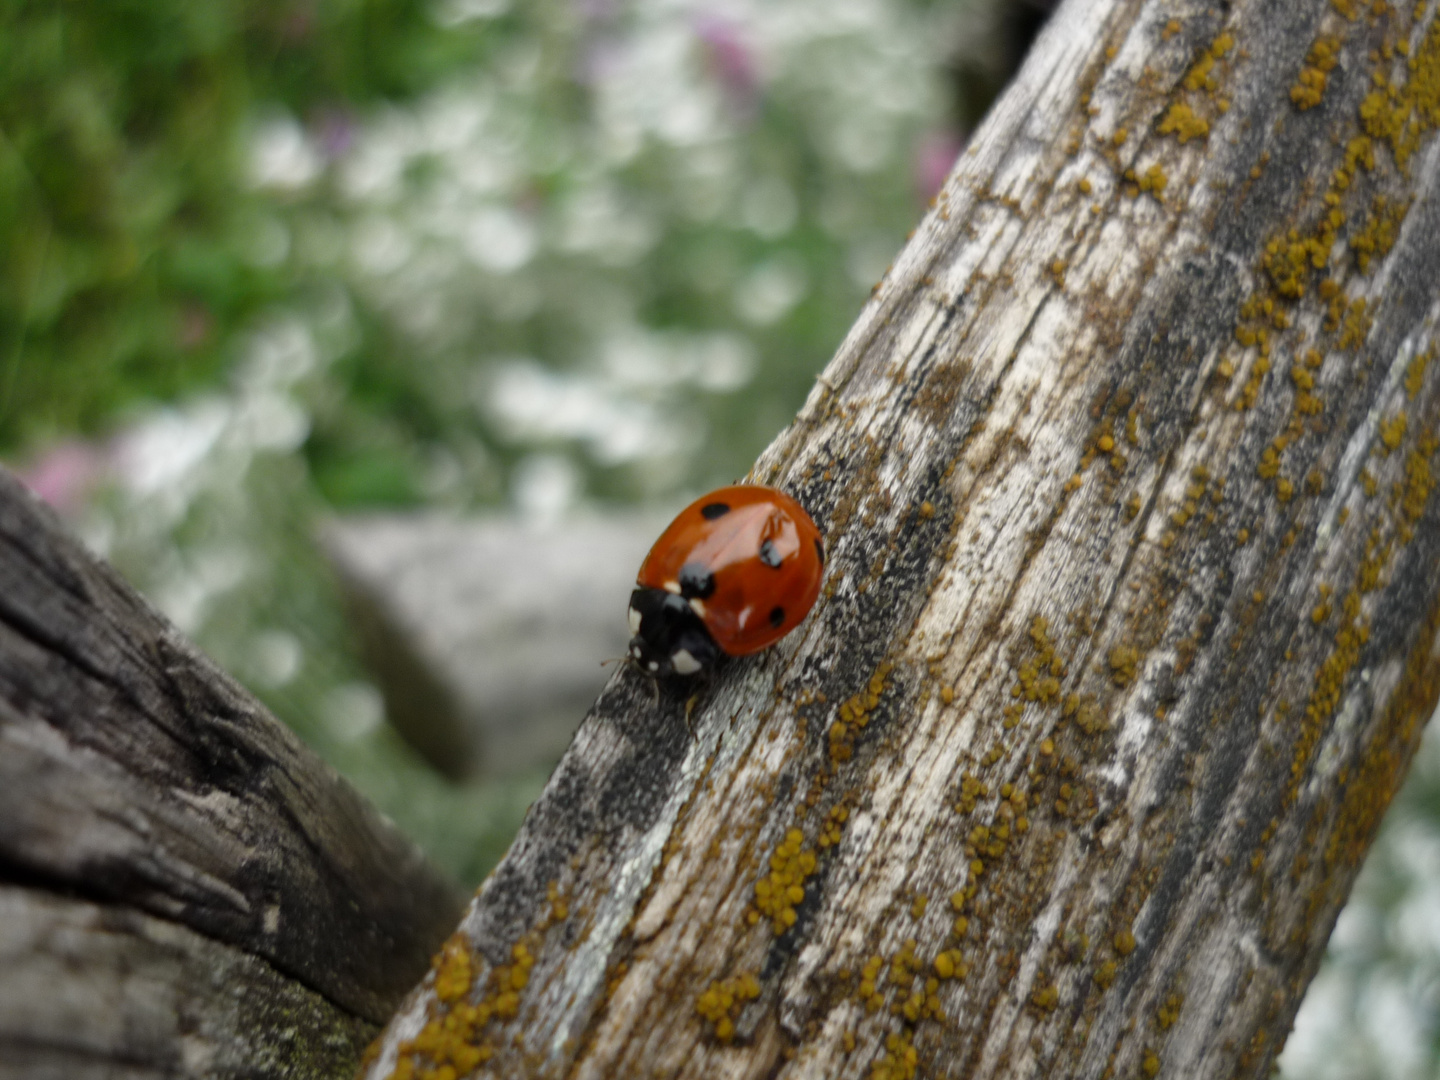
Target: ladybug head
pixel 668 635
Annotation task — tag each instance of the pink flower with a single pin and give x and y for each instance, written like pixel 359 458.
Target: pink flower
pixel 934 158
pixel 65 474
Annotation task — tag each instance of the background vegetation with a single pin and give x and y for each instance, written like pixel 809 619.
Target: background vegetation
pixel 266 261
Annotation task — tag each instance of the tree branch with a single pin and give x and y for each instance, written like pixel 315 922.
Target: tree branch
pixel 1129 632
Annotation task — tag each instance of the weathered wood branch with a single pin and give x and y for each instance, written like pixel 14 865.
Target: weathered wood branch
pixel 1130 628
pixel 159 828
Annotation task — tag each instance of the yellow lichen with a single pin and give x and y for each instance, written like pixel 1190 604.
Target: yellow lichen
pixel 1182 122
pixel 451 1044
pixel 1377 236
pixel 1123 660
pixel 1392 432
pixel 1415 372
pixel 723 999
pixel 900 1061
pixel 1169 1012
pixel 783 889
pixel 854 714
pixel 1310 86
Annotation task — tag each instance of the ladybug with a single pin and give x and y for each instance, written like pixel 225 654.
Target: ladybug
pixel 736 571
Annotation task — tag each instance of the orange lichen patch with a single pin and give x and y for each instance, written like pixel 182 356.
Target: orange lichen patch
pixel 1377 236
pixel 1125 942
pixel 1309 88
pixel 452 1044
pixel 854 714
pixel 779 893
pixel 900 1061
pixel 1150 1063
pixel 1170 29
pixel 917 908
pixel 1104 975
pixel 724 998
pixel 1182 122
pixel 1392 432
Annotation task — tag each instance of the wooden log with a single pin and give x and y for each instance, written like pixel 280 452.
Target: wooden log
pixel 1131 625
pixel 92 990
pixel 136 779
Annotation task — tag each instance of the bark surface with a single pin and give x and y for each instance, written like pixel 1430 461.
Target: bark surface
pixel 1130 629
pixel 176 869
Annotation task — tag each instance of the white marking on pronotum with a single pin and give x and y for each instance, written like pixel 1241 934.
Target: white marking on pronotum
pixel 683 662
pixel 634 622
pixel 653 666
pixel 673 586
pixel 698 607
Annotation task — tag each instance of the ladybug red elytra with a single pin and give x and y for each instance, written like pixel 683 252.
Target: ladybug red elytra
pixel 736 571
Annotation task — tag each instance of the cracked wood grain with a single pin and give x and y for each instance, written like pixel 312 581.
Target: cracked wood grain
pixel 136 777
pixel 1131 624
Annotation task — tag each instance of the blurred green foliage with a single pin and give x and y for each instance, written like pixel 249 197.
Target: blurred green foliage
pixel 127 255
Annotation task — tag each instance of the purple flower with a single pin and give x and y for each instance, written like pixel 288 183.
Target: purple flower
pixel 731 60
pixel 334 129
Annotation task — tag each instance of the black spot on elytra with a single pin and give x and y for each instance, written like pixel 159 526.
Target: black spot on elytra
pixel 711 511
pixel 820 550
pixel 696 582
pixel 769 556
pixel 777 616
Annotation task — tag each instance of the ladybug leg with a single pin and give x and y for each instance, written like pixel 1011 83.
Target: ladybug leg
pixel 690 708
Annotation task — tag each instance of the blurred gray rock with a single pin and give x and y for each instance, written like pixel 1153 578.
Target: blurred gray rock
pixel 486 635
